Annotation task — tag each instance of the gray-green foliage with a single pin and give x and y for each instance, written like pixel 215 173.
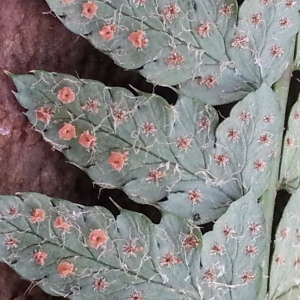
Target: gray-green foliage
pixel 213 50
pixel 285 267
pixel 203 166
pixel 290 162
pixel 132 255
pixel 240 234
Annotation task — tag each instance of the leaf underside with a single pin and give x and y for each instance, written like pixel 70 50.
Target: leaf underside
pixel 134 257
pixel 185 159
pixel 285 267
pixel 210 49
pixel 290 162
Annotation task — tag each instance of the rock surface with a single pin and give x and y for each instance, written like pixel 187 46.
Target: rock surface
pixel 32 38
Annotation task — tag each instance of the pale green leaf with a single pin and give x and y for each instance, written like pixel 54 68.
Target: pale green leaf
pixel 131 255
pixel 285 267
pixel 187 164
pixel 211 49
pixel 290 162
pixel 233 253
pixel 85 253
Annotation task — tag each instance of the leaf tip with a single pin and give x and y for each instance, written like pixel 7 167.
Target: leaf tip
pixel 9 74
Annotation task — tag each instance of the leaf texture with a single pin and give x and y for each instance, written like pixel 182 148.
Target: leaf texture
pixel 232 254
pixel 175 156
pixel 84 253
pixel 210 49
pixel 285 267
pixel 290 162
